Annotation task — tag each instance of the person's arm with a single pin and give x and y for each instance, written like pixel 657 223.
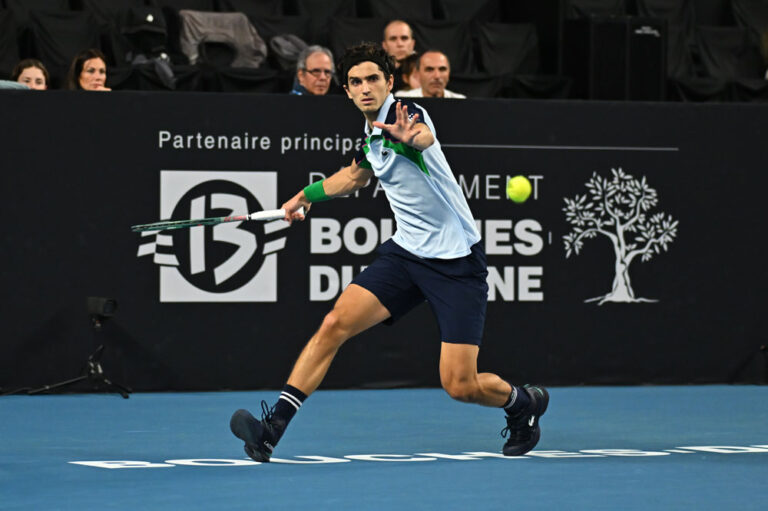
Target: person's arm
pixel 7 84
pixel 408 131
pixel 345 181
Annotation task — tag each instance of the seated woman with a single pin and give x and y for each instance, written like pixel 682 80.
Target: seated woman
pixel 408 69
pixel 32 73
pixel 88 71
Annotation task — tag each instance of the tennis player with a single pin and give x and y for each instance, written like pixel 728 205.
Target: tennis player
pixel 435 255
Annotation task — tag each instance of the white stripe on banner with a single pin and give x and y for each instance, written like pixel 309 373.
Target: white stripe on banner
pixel 146 249
pixel 164 240
pixel 166 260
pixel 274 246
pixel 291 399
pixel 562 147
pixel 274 226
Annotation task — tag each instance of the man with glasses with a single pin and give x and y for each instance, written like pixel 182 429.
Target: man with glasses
pixel 314 70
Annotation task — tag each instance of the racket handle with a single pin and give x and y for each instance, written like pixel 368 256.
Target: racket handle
pixel 268 214
pixel 271 214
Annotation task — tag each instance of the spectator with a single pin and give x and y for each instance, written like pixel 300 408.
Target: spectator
pixel 314 70
pixel 399 44
pixel 32 73
pixel 398 40
pixel 408 68
pixel 434 72
pixel 764 48
pixel 88 71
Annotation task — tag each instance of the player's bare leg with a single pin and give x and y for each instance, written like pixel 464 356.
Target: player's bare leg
pixel 460 379
pixel 523 405
pixel 356 310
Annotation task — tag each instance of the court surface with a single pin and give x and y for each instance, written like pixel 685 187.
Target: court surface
pixel 617 448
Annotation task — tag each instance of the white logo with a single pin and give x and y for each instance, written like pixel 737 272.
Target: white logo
pixel 531 420
pixel 541 455
pixel 619 210
pixel 228 262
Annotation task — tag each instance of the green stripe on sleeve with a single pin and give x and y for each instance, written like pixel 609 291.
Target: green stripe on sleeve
pixel 404 150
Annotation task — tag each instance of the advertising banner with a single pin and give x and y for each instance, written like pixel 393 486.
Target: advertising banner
pixel 634 260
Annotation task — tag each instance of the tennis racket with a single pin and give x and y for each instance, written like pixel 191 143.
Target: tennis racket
pixel 266 215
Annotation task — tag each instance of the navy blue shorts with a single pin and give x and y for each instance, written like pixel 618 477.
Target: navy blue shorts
pixel 456 289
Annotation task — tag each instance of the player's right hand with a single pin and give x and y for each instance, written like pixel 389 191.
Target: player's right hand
pixel 293 207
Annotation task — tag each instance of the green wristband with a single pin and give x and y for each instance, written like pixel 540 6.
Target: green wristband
pixel 315 192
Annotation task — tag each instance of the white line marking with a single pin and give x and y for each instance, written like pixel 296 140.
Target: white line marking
pixel 563 147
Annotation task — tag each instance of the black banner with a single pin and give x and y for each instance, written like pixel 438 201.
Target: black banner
pixel 635 260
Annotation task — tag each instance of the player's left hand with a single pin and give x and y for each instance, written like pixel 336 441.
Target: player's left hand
pixel 404 129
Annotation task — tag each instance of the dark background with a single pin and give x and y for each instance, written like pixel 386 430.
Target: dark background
pixel 79 169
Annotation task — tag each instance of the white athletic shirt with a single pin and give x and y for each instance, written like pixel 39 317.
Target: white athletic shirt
pixel 431 212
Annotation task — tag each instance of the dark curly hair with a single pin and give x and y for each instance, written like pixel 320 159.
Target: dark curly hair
pixel 366 52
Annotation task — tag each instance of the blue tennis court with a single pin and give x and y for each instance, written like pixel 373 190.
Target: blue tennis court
pixel 697 447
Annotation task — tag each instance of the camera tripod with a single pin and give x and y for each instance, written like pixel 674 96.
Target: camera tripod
pixel 94 373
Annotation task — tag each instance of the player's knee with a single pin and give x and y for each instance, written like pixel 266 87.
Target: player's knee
pixel 333 328
pixel 461 390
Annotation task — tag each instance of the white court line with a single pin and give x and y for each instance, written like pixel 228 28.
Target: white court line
pixel 563 147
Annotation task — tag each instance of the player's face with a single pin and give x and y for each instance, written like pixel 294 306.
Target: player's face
pixel 367 87
pixel 33 78
pixel 434 72
pixel 93 75
pixel 317 77
pixel 398 40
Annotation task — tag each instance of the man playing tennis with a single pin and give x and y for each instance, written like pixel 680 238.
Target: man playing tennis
pixel 434 255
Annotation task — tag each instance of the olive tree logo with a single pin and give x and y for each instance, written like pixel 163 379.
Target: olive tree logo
pixel 619 209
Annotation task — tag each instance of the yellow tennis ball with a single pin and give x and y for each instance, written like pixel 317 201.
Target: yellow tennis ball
pixel 518 189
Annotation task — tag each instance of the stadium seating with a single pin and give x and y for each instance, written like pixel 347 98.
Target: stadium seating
pixel 461 10
pixel 453 38
pixel 9 48
pixel 497 48
pixel 321 12
pixel 58 36
pixel 507 48
pixel 752 15
pixel 728 53
pixel 396 9
pixel 586 8
pixel 344 32
pixel 252 9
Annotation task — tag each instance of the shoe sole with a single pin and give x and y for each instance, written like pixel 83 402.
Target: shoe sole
pixel 242 425
pixel 542 402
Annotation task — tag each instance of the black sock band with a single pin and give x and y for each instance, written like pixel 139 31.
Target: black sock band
pixel 287 405
pixel 518 401
pixel 293 396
